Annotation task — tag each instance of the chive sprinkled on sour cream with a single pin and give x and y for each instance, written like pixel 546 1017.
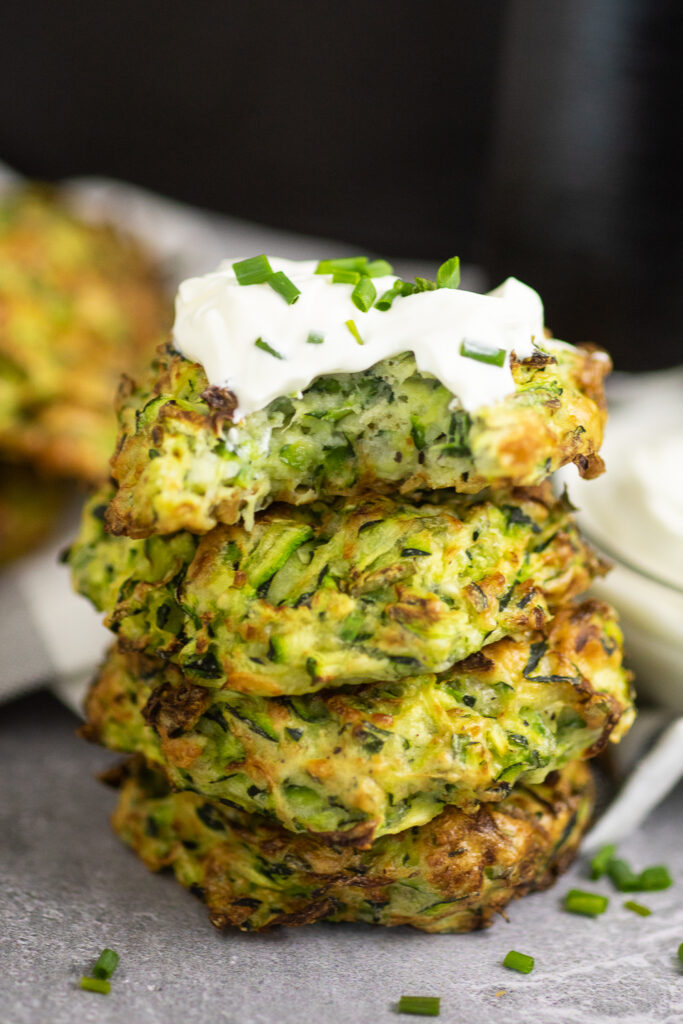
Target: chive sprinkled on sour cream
pixel 355 264
pixel 378 268
pixel 354 331
pixel 281 284
pixel 286 301
pixel 448 274
pixel 255 270
pixel 482 353
pixel 386 299
pixel 345 277
pixel 364 294
pixel 265 347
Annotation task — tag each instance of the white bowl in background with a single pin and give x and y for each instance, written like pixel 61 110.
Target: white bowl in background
pixel 633 514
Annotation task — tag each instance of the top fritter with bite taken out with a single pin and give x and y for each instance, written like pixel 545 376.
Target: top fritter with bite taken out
pixel 329 395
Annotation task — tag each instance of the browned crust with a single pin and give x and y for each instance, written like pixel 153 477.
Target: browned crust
pixel 222 404
pixel 172 710
pixel 529 843
pixel 577 645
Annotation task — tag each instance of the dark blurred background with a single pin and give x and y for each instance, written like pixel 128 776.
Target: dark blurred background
pixel 534 137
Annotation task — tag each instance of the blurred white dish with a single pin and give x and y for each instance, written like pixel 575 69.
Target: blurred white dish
pixel 634 515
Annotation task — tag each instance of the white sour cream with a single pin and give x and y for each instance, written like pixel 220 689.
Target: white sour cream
pixel 636 509
pixel 218 321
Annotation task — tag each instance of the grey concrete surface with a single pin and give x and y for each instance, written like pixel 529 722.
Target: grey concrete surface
pixel 68 888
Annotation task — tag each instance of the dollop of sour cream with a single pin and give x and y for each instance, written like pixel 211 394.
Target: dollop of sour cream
pixel 218 322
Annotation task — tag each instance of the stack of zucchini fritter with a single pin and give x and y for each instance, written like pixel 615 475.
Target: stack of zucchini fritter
pixel 350 657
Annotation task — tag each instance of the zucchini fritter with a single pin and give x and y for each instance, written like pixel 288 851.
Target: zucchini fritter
pixel 181 463
pixel 79 304
pixel 451 875
pixel 369 590
pixel 29 506
pixel 355 765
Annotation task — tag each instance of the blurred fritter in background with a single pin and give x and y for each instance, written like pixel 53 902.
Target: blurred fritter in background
pixel 80 304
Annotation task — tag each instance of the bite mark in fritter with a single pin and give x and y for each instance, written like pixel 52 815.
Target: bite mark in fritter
pixel 181 463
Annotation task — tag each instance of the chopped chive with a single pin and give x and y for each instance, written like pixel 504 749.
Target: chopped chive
pixel 622 875
pixel 364 294
pixel 255 270
pixel 354 263
pixel 354 331
pixel 345 277
pixel 314 338
pixel 588 903
pixel 358 264
pixel 422 284
pixel 378 268
pixel 417 432
pixel 519 962
pixel 637 908
pixel 406 288
pixel 448 274
pixel 386 299
pixel 601 860
pixel 106 964
pixel 281 284
pixel 96 985
pixel 423 1006
pixel 654 878
pixel 680 952
pixel 482 353
pixel 265 347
